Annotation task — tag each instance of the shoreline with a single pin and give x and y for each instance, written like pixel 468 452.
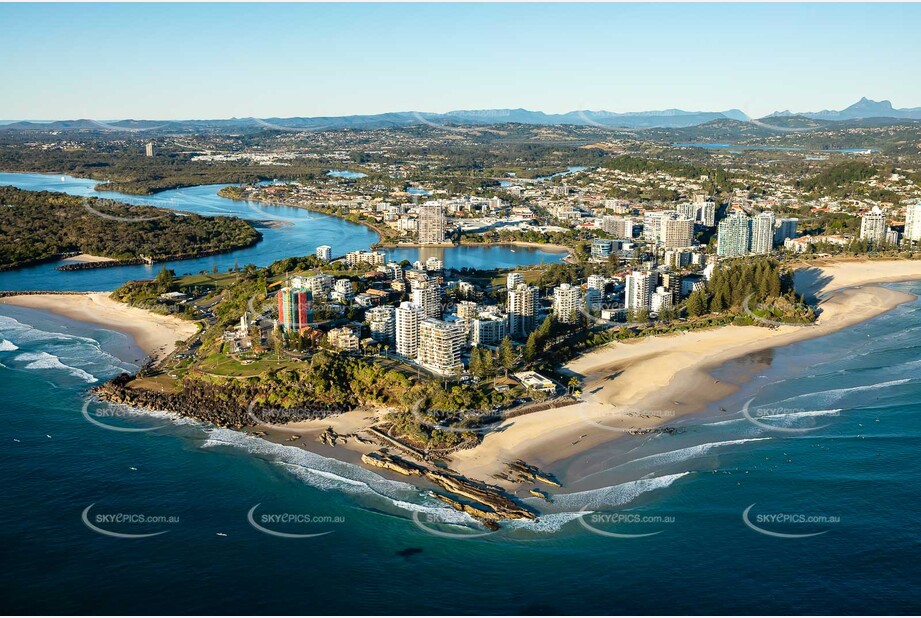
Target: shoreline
pixel 86 258
pixel 381 243
pixel 636 385
pixel 154 333
pixel 371 226
pixel 646 384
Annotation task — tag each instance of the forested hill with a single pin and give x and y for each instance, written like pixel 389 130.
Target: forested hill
pixel 37 226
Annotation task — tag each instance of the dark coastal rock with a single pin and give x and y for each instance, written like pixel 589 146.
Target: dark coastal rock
pixel 223 405
pixel 487 503
pixel 528 473
pixel 219 404
pixel 653 430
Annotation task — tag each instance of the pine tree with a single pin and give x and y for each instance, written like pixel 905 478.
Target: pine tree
pixel 697 303
pixel 532 347
pixel 506 355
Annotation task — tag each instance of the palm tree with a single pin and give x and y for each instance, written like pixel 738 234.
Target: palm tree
pixel 573 384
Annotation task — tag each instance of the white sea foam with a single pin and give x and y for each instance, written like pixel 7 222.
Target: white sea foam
pixel 43 360
pixel 804 414
pixel 615 495
pixel 684 454
pixel 316 470
pixel 25 333
pixel 547 523
pixel 836 394
pixel 7 346
pixel 731 421
pixel 79 353
pixel 333 475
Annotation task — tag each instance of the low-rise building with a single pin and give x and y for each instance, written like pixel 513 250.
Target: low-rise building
pixel 344 339
pixel 532 380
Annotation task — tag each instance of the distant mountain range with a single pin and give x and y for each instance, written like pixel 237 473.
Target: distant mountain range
pixel 864 108
pixel 664 119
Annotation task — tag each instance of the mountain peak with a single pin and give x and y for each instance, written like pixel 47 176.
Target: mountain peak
pixel 865 103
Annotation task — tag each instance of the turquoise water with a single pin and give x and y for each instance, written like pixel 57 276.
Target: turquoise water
pixel 853 396
pixel 294 231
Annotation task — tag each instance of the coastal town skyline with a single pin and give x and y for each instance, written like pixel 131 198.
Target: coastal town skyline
pixel 274 344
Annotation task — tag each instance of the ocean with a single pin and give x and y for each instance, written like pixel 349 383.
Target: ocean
pixel 806 505
pixel 796 495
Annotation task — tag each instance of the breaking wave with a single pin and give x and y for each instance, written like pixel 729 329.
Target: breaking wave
pixel 684 454
pixel 615 495
pixel 43 360
pixel 8 346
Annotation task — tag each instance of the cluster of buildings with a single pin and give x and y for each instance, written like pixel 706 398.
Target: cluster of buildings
pixel 740 234
pixel 875 230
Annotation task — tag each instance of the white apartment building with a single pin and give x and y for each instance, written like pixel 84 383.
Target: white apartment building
pixel 467 311
pixel 706 213
pixel 319 286
pixel 596 282
pixel 324 252
pixel 382 322
pixel 762 233
pixel 566 303
pixel 426 294
pixel 660 300
pixel 522 310
pixel 688 210
pixel 513 279
pixel 343 338
pixel 488 330
pixel 408 317
pixel 440 345
pixel 360 257
pixel 652 221
pixel 873 226
pixel 639 290
pixel 344 289
pixel 913 222
pixel 394 271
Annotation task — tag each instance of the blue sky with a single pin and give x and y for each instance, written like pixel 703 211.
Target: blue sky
pixel 112 61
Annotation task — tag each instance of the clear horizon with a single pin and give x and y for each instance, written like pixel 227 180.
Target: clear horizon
pixel 191 61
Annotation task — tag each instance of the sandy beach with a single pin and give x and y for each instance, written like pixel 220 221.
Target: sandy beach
pixel 86 258
pixel 154 333
pixel 648 383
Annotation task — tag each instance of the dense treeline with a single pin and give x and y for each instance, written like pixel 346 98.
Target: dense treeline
pixel 844 180
pixel 761 286
pixel 719 179
pixel 39 225
pixel 136 174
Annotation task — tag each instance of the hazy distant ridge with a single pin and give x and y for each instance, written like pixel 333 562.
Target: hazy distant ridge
pixel 668 118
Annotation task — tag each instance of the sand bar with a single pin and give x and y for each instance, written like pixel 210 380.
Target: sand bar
pixel 648 383
pixel 86 258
